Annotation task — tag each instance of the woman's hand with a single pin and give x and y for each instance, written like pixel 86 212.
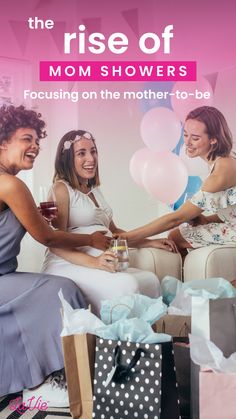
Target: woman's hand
pixel 99 240
pixel 106 261
pixel 164 244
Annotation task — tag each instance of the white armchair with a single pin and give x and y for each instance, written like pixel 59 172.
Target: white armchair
pixel 159 261
pixel 211 261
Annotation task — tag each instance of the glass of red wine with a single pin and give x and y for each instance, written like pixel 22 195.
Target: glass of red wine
pixel 48 206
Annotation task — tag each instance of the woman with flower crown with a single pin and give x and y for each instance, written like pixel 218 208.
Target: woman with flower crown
pixel 83 209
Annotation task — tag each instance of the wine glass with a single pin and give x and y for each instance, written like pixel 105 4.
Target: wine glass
pixel 48 206
pixel 120 249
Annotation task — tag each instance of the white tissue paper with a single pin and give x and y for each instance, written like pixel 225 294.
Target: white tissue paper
pixel 211 288
pixel 78 321
pixel 205 353
pixel 132 306
pixel 83 321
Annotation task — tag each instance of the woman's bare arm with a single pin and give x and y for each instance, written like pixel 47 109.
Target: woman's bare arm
pixel 185 213
pixel 222 177
pixel 19 199
pixel 106 261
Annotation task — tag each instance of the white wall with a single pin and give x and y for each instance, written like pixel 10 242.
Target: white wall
pixel 115 126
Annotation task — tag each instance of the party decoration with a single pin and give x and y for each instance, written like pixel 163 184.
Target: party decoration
pixel 21 33
pixel 179 145
pixel 165 177
pixel 42 3
pixel 93 24
pixel 212 78
pixel 58 29
pixel 195 166
pixel 164 87
pixel 132 18
pixel 160 129
pixel 190 95
pixel 194 184
pixel 137 164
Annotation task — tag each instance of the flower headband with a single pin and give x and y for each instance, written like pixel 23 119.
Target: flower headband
pixel 67 144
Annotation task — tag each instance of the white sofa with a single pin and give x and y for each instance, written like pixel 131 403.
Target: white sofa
pixel 207 262
pixel 211 262
pixel 159 261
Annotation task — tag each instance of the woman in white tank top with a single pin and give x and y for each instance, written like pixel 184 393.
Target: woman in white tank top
pixel 83 209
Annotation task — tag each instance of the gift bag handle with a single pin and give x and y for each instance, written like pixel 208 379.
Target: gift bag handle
pixel 118 305
pixel 123 372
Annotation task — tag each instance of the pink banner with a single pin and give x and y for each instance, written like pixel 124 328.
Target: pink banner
pixel 118 70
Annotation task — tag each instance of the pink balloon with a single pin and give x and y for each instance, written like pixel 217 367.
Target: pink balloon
pixel 182 106
pixel 137 164
pixel 160 129
pixel 165 177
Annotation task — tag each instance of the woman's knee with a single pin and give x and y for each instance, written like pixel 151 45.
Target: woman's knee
pixel 129 285
pixel 70 290
pixel 177 237
pixel 174 235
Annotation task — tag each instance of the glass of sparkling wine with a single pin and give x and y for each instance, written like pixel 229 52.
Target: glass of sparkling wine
pixel 48 206
pixel 120 249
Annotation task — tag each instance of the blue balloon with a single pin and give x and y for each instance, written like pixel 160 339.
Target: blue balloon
pixel 194 184
pixel 157 86
pixel 179 144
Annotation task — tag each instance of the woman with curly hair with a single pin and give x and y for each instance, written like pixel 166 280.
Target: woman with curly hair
pixel 30 323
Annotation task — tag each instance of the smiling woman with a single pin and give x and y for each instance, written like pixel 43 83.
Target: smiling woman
pixel 28 148
pixel 82 208
pixel 29 351
pixel 206 135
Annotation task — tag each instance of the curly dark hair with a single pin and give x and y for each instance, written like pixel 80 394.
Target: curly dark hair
pixel 12 118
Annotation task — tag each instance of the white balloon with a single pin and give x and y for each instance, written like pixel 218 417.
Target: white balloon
pixel 137 164
pixel 160 129
pixel 165 177
pixel 195 166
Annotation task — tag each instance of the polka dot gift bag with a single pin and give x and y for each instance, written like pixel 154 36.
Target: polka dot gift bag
pixel 134 380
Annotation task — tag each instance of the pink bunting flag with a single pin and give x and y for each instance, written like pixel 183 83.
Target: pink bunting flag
pixel 93 24
pixel 212 78
pixel 42 3
pixel 131 17
pixel 57 34
pixel 21 33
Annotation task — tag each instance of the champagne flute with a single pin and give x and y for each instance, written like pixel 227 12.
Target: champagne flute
pixel 48 206
pixel 120 249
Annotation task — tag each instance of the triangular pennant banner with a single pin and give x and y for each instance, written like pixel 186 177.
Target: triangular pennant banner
pixel 57 33
pixel 71 85
pixel 21 33
pixel 212 78
pixel 42 3
pixel 131 17
pixel 93 24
